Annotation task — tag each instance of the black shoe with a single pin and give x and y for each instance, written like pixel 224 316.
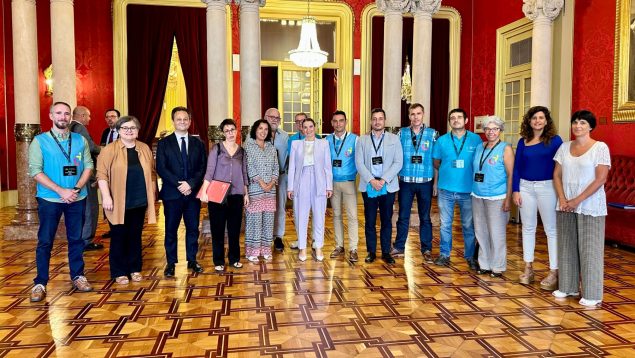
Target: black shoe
pixel 473 264
pixel 278 244
pixel 442 261
pixel 496 274
pixel 371 257
pixel 169 270
pixel 195 267
pixel 483 272
pixel 93 246
pixel 388 258
pixel 106 235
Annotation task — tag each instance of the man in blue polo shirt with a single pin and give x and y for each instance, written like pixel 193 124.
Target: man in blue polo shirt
pixel 453 154
pixel 416 178
pixel 342 144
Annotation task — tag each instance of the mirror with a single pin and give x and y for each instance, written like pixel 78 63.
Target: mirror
pixel 624 72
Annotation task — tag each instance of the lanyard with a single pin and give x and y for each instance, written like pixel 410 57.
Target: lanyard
pixel 413 136
pixel 337 152
pixel 482 160
pixel 70 144
pixel 458 151
pixel 377 147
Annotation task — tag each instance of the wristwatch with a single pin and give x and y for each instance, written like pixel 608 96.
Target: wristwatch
pixel 76 188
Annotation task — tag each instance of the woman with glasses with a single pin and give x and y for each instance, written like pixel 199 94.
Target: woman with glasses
pixel 125 169
pixel 262 171
pixel 227 162
pixel 533 190
pixel 491 198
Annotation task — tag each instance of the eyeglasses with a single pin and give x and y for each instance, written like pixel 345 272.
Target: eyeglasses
pixel 273 117
pixel 128 129
pixel 495 129
pixel 229 131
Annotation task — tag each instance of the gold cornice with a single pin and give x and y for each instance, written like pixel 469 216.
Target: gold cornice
pixel 25 132
pixel 445 12
pixel 623 109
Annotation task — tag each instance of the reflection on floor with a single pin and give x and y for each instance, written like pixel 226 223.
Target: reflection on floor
pixel 290 308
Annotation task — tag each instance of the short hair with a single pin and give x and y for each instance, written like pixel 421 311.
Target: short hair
pixel 527 133
pixel 181 109
pixel 339 112
pixel 126 119
pixel 496 120
pixel 112 110
pixel 586 115
pixel 308 119
pixel 57 103
pixel 377 110
pixel 254 128
pixel 457 110
pixel 415 105
pixel 226 122
pixel 300 114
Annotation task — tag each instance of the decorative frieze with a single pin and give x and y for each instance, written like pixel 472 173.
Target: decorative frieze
pixel 25 132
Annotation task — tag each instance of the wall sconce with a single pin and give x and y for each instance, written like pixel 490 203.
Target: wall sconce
pixel 48 80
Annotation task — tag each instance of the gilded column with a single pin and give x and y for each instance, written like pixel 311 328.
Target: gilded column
pixel 27 115
pixel 542 13
pixel 217 96
pixel 422 53
pixel 63 51
pixel 250 61
pixel 393 33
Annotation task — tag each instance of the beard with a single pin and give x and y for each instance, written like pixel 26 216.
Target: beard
pixel 60 124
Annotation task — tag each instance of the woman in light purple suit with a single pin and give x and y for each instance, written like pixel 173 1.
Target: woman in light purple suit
pixel 310 184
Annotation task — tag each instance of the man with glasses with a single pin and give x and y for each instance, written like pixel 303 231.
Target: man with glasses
pixel 109 134
pixel 280 140
pixel 181 163
pixel 453 155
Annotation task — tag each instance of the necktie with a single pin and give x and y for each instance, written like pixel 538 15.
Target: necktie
pixel 111 137
pixel 184 157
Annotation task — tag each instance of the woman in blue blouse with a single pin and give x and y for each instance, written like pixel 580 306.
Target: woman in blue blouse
pixel 533 189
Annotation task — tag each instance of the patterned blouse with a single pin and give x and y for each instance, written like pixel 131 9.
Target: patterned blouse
pixel 261 164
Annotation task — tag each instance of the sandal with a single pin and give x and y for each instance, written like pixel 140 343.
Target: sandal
pixel 527 277
pixel 237 264
pixel 219 268
pixel 550 282
pixel 136 276
pixel 122 280
pixel 253 259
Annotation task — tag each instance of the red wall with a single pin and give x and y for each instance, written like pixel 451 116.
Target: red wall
pixel 593 56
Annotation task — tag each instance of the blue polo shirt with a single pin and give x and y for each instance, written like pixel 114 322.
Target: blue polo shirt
pixel 451 177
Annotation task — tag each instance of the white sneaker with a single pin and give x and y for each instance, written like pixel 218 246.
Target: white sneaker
pixel 560 294
pixel 590 303
pixel 253 259
pixel 293 245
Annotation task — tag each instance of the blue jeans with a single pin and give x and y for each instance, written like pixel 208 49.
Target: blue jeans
pixel 407 192
pixel 384 203
pixel 446 202
pixel 49 214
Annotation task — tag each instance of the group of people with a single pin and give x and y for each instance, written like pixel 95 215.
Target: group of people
pixel 561 181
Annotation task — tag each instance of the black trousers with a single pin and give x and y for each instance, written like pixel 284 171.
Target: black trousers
pixel 125 243
pixel 188 208
pixel 229 214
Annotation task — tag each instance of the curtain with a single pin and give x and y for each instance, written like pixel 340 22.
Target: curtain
pixel 329 98
pixel 268 88
pixel 440 82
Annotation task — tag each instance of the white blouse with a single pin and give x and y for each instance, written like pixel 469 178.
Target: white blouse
pixel 309 158
pixel 579 172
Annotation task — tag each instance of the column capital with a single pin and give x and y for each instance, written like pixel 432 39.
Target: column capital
pixel 547 8
pixel 401 6
pixel 260 3
pixel 429 7
pixel 25 132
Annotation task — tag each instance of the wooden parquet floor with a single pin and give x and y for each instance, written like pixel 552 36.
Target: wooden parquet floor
pixel 287 308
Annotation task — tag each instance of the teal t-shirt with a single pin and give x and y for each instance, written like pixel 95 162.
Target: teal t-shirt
pixel 456 155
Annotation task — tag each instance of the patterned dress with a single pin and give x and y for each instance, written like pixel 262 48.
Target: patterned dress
pixel 259 214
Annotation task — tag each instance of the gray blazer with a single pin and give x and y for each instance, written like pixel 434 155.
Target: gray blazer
pixel 392 158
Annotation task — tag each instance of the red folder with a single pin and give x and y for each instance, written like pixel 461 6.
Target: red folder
pixel 216 191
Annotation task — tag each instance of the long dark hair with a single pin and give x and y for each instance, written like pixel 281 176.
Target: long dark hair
pixel 525 127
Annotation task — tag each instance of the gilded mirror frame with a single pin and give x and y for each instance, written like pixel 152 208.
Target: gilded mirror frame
pixel 623 106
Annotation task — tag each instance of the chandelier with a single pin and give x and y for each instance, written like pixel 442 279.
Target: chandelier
pixel 308 54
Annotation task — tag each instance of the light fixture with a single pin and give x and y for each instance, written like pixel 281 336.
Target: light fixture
pixel 48 80
pixel 308 54
pixel 406 84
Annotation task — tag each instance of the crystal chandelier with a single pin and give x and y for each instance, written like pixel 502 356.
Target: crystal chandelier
pixel 308 54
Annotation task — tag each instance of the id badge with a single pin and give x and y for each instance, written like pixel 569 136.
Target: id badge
pixel 69 170
pixel 479 177
pixel 459 163
pixel 337 163
pixel 416 159
pixel 378 160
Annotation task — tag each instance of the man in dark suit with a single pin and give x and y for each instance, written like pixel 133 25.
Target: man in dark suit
pixel 110 134
pixel 181 164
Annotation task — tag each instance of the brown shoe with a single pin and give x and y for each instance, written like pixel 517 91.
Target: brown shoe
pixel 527 277
pixel 550 283
pixel 339 251
pixel 427 257
pixel 81 284
pixel 38 293
pixel 353 256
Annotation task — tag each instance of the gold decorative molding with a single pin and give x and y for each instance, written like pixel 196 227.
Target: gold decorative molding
pixel 215 134
pixel 623 106
pixel 25 132
pixel 445 12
